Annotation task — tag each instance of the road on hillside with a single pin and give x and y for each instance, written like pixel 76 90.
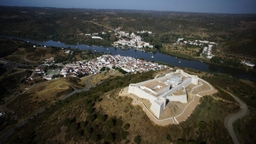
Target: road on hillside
pixel 229 120
pixel 79 90
pixel 42 110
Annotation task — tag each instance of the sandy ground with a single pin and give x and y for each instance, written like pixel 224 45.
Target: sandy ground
pixel 189 109
pixel 175 112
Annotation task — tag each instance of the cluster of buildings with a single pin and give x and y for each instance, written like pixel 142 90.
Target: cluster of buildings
pixel 128 64
pixel 207 45
pixel 207 51
pixel 143 31
pixel 131 40
pixel 160 91
pixel 94 35
pixel 181 41
pixel 247 63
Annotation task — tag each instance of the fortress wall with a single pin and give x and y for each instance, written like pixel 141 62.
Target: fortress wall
pixel 194 80
pixel 186 82
pixel 144 82
pixel 163 90
pixel 148 89
pixel 140 93
pixel 157 109
pixel 180 98
pixel 174 89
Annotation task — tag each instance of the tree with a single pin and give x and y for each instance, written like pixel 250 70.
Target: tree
pixel 83 124
pixel 88 130
pixel 103 69
pixel 78 133
pixel 90 110
pixel 74 126
pixel 202 125
pixel 126 126
pixel 90 118
pixel 109 137
pixel 191 142
pixel 66 122
pixel 124 134
pixel 137 139
pixel 95 137
pixel 180 141
pixel 102 118
pixel 168 137
pixel 110 123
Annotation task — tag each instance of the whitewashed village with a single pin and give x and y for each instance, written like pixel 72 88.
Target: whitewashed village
pixel 131 40
pixel 94 66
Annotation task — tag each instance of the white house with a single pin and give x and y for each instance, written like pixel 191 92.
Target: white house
pixel 97 37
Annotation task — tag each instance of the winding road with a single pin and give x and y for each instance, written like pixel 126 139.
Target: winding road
pixel 229 120
pixel 43 109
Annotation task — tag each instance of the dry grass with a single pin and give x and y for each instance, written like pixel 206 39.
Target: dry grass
pixel 16 58
pixel 182 49
pixel 83 81
pixel 97 78
pixel 51 90
pixel 37 55
pixel 140 124
pixel 162 72
pixel 104 75
pixel 43 94
pixel 201 88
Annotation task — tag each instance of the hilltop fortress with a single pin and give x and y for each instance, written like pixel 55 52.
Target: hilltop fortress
pixel 160 91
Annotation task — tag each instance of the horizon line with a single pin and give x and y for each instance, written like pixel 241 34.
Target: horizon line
pixel 131 10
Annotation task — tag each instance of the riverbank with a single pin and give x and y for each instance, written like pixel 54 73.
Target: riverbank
pixel 208 61
pixel 157 56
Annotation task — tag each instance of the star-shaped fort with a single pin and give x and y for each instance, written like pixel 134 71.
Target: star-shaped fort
pixel 171 98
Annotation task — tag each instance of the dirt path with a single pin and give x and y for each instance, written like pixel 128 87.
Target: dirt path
pixel 229 120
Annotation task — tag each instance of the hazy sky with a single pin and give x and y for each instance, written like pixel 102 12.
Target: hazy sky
pixel 209 6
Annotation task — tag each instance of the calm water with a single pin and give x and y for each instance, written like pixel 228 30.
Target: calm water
pixel 158 57
pixel 2 69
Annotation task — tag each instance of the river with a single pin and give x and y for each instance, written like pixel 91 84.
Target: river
pixel 158 57
pixel 2 69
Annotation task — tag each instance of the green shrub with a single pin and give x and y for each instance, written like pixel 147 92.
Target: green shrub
pixel 66 122
pixel 73 126
pixel 168 137
pixel 88 131
pixel 109 137
pixel 126 126
pixel 124 134
pixel 202 125
pixel 95 137
pixel 137 139
pixel 90 118
pixel 180 141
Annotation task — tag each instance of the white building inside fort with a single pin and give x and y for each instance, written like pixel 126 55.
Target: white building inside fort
pixel 171 87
